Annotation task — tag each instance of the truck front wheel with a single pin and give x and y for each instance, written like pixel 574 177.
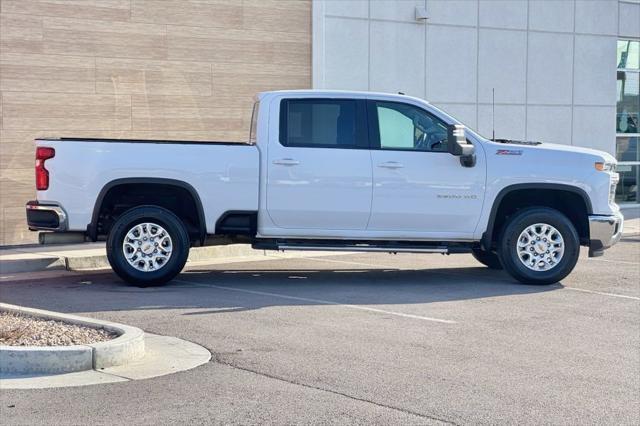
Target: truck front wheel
pixel 539 246
pixel 147 246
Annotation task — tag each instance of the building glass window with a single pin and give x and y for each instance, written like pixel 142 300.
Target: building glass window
pixel 628 121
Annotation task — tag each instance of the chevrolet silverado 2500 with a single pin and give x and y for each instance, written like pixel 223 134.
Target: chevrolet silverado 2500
pixel 331 170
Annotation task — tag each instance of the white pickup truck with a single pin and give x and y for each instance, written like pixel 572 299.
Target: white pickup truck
pixel 332 170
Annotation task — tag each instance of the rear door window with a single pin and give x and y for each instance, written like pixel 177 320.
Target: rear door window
pixel 322 123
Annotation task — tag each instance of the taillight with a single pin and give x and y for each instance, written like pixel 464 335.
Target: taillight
pixel 42 174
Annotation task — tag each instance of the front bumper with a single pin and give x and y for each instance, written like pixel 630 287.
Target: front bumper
pixel 45 217
pixel 604 231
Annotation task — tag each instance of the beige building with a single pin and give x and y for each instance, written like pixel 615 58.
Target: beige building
pixel 143 69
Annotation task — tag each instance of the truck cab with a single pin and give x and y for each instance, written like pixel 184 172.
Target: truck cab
pixel 334 170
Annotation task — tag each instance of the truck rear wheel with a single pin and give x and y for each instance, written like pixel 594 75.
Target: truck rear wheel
pixel 487 258
pixel 147 246
pixel 539 246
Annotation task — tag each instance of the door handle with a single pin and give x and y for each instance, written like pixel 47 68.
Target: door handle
pixel 391 165
pixel 286 162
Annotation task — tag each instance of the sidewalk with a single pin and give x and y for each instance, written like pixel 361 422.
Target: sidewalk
pixel 90 256
pixel 631 221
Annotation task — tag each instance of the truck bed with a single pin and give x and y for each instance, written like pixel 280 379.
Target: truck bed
pixel 84 168
pixel 152 141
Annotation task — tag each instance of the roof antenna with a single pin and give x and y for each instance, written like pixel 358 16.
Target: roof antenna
pixel 493 113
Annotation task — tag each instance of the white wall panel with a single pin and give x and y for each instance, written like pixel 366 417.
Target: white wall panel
pixel 404 10
pixel 346 44
pixel 595 70
pixel 397 58
pixel 551 15
pixel 348 8
pixel 549 124
pixel 509 121
pixel 550 68
pixel 453 12
pixel 594 127
pixel 503 14
pixel 629 20
pixel 451 64
pixel 597 16
pixel 502 65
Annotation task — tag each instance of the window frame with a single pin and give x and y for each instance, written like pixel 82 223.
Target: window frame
pixel 362 139
pixel 253 128
pixel 374 126
pixel 625 135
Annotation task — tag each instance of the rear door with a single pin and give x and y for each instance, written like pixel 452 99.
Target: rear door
pixel 319 166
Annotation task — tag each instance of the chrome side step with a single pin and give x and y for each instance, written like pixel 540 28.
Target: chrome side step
pixel 362 247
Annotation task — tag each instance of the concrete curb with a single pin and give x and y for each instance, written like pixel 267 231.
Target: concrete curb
pixel 127 347
pixel 163 355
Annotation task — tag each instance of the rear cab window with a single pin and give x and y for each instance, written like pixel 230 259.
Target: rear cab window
pixel 323 123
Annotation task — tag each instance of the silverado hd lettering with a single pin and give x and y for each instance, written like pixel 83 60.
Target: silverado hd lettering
pixel 332 170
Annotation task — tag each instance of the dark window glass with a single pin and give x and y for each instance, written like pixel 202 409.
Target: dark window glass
pixel 327 123
pixel 628 154
pixel 628 87
pixel 406 127
pixel 628 102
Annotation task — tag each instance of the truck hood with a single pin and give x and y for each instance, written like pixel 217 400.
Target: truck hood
pixel 597 154
pixel 577 149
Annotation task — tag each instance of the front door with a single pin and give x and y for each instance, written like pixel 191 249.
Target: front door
pixel 319 167
pixel 419 188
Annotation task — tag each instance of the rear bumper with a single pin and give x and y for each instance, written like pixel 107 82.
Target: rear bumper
pixel 604 231
pixel 45 217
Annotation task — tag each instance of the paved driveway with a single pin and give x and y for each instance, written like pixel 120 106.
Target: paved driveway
pixel 406 339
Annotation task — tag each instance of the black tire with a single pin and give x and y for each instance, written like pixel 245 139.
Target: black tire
pixel 508 251
pixel 487 258
pixel 173 227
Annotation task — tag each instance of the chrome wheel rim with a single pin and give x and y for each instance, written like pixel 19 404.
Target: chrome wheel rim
pixel 147 247
pixel 540 247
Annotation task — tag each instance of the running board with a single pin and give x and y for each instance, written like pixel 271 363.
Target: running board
pixel 352 247
pixel 364 248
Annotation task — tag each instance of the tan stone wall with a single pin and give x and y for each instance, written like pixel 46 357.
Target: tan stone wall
pixel 148 69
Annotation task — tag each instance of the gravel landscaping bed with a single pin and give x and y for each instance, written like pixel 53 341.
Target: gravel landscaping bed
pixel 22 330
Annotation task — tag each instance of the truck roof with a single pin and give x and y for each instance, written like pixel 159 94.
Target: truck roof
pixel 326 93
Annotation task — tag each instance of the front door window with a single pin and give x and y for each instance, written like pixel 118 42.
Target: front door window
pixel 405 127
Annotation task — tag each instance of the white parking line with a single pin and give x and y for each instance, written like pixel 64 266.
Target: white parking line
pixel 623 262
pixel 321 302
pixel 601 293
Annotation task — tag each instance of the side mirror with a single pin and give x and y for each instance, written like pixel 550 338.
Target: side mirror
pixel 458 145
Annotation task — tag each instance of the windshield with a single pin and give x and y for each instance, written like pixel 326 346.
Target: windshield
pixel 467 129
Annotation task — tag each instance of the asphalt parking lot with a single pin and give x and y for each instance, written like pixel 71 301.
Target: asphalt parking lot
pixel 365 338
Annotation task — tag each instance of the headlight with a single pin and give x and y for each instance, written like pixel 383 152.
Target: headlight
pixel 605 167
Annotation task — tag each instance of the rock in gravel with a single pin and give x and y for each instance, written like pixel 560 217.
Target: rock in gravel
pixel 23 330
